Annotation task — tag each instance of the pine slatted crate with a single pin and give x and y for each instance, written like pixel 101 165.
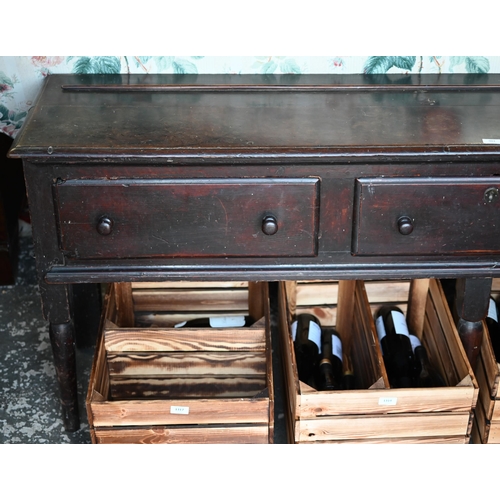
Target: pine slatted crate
pixel 153 383
pixel 486 429
pixel 375 413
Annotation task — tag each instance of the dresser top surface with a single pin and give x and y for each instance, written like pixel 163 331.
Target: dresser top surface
pixel 250 115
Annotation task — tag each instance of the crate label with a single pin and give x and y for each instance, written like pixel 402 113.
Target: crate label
pixel 387 401
pixel 179 410
pixel 491 141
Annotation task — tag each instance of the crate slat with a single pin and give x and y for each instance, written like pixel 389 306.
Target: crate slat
pixel 185 339
pixel 192 387
pixel 196 300
pixel 255 434
pixel 187 364
pixel 384 426
pixel 399 440
pixel 201 411
pixel 186 285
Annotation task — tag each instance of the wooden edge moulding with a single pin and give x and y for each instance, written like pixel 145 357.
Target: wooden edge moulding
pixel 374 412
pixel 153 383
pixel 486 428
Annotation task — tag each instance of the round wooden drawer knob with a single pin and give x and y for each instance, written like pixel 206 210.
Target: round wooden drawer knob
pixel 405 225
pixel 269 225
pixel 104 226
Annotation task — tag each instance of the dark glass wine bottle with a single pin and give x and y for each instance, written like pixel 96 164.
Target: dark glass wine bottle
pixel 217 322
pixel 425 374
pixel 394 339
pixel 494 328
pixel 348 378
pixel 306 334
pixel 329 372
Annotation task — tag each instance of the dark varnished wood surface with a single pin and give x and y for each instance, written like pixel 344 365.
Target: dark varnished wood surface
pixel 375 148
pixel 431 113
pixel 187 218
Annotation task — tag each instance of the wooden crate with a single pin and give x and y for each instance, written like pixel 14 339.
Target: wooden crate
pixel 486 429
pixel 375 413
pixel 159 384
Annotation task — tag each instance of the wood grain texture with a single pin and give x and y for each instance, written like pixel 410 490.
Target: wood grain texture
pixel 417 299
pixel 385 426
pixel 236 434
pixel 187 363
pixel 162 299
pixel 186 387
pixel 410 440
pixel 201 411
pixel 185 339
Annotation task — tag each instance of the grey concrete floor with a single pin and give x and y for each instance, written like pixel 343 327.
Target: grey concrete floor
pixel 29 397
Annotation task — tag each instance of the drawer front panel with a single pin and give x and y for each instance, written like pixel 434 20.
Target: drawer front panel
pixel 189 218
pixel 440 216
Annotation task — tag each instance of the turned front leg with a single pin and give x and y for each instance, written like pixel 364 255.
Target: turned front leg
pixel 472 298
pixel 56 302
pixel 62 338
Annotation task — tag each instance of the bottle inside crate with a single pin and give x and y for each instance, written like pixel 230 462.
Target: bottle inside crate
pixel 405 358
pixel 319 355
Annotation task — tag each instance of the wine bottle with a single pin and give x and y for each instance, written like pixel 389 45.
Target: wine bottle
pixel 348 379
pixel 394 339
pixel 306 334
pixel 425 374
pixel 217 322
pixel 329 372
pixel 494 328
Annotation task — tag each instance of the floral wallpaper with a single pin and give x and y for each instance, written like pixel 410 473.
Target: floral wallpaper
pixel 21 76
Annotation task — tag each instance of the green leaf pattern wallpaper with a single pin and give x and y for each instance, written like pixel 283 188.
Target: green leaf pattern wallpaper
pixel 21 76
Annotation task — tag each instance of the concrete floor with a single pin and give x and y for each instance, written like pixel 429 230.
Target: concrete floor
pixel 29 394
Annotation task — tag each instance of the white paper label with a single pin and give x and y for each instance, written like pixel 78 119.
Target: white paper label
pixel 492 311
pixel 227 321
pixel 400 323
pixel 179 410
pixel 387 401
pixel 337 347
pixel 491 141
pixel 415 342
pixel 379 325
pixel 315 334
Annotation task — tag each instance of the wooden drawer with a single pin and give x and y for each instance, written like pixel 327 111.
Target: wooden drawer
pixel 188 218
pixel 413 216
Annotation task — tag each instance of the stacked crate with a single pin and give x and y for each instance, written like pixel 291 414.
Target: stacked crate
pixel 375 413
pixel 154 383
pixel 486 427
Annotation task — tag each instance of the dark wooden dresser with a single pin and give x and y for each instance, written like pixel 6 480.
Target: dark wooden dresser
pixel 215 177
